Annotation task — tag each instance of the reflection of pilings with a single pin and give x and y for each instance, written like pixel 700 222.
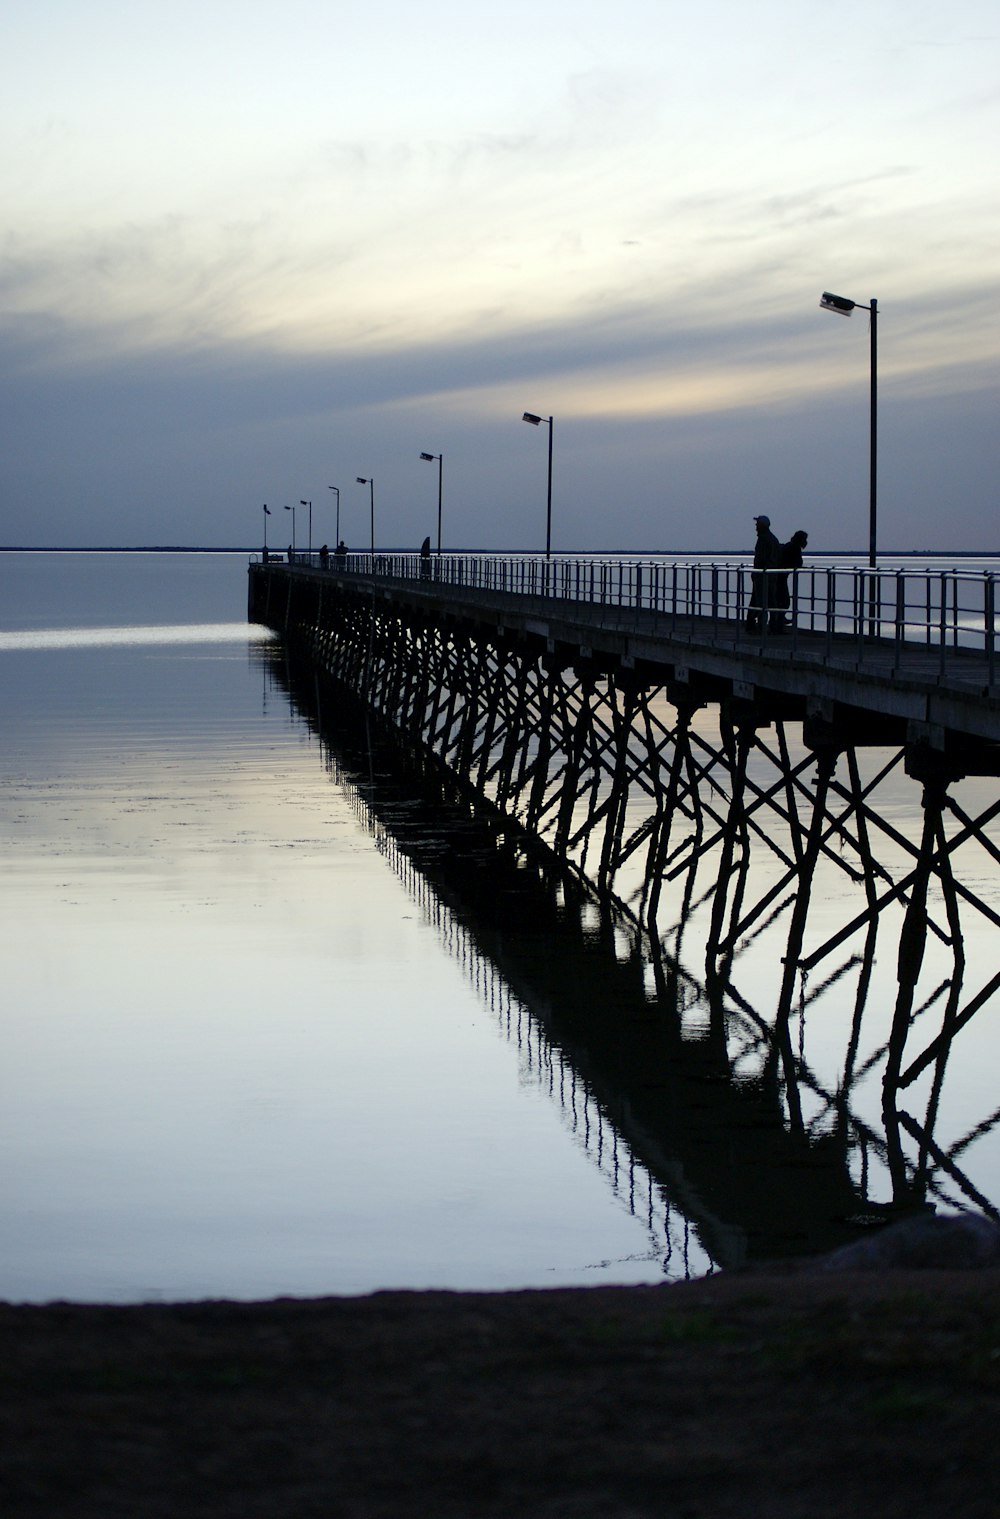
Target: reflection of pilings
pixel 826 760
pixel 412 853
pixel 948 1022
pixel 868 956
pixel 933 857
pixel 548 1065
pixel 668 1097
pixel 666 1206
pixel 946 1163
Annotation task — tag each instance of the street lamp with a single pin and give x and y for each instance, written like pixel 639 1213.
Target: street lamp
pixel 841 306
pixel 310 506
pixel 440 464
pixel 292 510
pixel 363 480
pixel 529 416
pixel 267 513
pixel 337 489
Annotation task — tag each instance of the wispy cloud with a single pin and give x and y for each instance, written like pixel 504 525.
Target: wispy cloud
pixel 260 242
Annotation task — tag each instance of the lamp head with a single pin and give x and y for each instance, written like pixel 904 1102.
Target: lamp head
pixel 837 303
pixel 529 416
pixel 361 480
pixel 289 508
pixel 303 503
pixel 429 457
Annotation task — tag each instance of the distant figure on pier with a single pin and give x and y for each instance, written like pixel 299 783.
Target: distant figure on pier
pixel 324 558
pixel 291 556
pixel 425 559
pixel 789 558
pixel 766 556
pixel 340 555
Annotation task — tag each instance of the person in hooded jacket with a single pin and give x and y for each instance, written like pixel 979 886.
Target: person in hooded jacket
pixel 789 558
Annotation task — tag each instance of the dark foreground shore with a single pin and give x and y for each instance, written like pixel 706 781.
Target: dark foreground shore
pixel 771 1394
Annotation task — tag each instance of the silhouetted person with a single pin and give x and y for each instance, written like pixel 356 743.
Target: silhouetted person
pixel 766 556
pixel 324 558
pixel 340 555
pixel 789 558
pixel 425 559
pixel 792 551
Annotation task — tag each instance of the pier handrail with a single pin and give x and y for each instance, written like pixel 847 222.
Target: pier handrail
pixel 889 606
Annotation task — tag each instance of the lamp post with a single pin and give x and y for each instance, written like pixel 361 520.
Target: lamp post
pixel 292 510
pixel 529 416
pixel 363 480
pixel 267 514
pixel 440 464
pixel 841 306
pixel 310 506
pixel 337 535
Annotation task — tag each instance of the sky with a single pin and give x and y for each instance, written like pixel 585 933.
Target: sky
pixel 252 251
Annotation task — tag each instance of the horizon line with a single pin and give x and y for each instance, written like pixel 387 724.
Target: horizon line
pixel 188 548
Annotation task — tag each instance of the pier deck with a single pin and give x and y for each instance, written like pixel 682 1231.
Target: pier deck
pixel 934 683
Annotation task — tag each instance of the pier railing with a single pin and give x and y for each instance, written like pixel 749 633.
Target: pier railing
pixel 942 610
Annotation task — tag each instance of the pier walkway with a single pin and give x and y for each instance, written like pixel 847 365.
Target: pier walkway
pixel 902 655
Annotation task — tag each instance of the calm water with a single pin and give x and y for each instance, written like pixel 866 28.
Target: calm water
pixel 276 1022
pixel 247 1052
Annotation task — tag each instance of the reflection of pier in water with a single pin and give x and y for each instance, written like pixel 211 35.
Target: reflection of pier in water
pixel 667 1075
pixel 754 831
pixel 508 948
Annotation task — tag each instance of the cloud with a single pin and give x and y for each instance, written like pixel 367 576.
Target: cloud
pixel 679 424
pixel 236 264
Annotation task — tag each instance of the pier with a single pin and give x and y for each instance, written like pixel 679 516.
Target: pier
pixel 729 790
pixel 914 648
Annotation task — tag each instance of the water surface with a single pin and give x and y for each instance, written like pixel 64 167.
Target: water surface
pixel 281 1018
pixel 240 1057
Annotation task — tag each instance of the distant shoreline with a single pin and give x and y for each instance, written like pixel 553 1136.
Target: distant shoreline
pixel 727 553
pixel 145 548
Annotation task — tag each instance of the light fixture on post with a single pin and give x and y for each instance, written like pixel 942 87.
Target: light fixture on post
pixel 292 510
pixel 536 421
pixel 310 506
pixel 841 306
pixel 267 513
pixel 364 480
pixel 429 458
pixel 337 534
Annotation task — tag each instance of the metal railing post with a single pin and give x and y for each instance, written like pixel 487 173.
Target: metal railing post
pixel 954 611
pixel 900 627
